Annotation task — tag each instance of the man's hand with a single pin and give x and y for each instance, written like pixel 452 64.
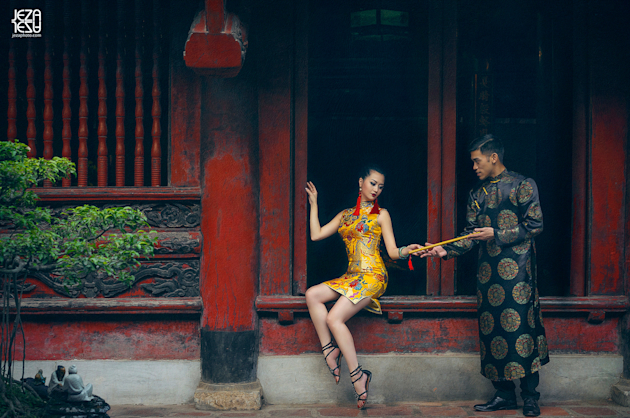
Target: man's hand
pixel 433 252
pixel 485 234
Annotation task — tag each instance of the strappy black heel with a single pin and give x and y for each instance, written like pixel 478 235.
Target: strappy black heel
pixel 355 373
pixel 330 346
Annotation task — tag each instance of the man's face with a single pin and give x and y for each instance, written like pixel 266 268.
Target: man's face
pixel 482 164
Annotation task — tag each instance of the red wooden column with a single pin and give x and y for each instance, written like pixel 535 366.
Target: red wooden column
pixel 449 148
pixel 30 98
pixel 608 147
pixel 48 89
pixel 102 101
pixel 12 96
pixel 580 183
pixel 274 137
pixel 441 147
pixel 156 111
pixel 66 95
pixel 120 97
pixel 229 180
pixel 139 113
pixel 300 153
pixel 82 166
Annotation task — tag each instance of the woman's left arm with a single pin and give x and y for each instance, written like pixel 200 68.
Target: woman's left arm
pixel 385 221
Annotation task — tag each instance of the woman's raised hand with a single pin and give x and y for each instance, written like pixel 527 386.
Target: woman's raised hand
pixel 312 192
pixel 412 247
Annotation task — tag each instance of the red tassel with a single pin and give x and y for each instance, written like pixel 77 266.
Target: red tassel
pixel 357 211
pixel 376 208
pixel 410 263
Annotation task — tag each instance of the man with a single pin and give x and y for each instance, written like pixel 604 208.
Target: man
pixel 504 211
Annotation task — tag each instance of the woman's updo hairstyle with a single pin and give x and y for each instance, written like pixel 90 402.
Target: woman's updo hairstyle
pixel 365 171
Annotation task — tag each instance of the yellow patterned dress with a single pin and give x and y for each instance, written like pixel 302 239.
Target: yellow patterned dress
pixel 366 276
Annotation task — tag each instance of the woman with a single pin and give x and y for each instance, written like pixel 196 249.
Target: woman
pixel 365 281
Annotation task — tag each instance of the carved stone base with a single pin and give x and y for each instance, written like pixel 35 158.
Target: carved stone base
pixel 226 396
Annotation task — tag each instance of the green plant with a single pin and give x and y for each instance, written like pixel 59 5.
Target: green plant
pixel 71 245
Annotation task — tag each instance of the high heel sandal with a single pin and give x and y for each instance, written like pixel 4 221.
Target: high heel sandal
pixel 330 346
pixel 355 373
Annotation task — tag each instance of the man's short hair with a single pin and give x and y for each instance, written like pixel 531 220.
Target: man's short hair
pixel 487 145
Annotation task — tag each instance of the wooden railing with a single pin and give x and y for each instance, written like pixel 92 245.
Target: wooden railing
pixel 94 115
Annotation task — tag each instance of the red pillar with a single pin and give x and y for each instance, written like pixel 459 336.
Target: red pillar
pixel 229 201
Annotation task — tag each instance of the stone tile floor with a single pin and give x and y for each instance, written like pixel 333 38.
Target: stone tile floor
pixel 564 409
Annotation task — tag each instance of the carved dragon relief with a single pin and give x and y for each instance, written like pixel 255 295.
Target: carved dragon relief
pixel 172 279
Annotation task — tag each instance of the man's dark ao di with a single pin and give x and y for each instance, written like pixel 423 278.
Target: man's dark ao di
pixel 504 210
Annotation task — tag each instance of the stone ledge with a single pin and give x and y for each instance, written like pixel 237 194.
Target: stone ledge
pixel 229 396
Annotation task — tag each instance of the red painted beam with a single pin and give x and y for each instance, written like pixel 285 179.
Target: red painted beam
pixel 455 304
pixel 104 194
pixel 102 306
pixel 433 335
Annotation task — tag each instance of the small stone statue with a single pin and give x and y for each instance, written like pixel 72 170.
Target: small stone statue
pixel 38 384
pixel 56 379
pixel 73 385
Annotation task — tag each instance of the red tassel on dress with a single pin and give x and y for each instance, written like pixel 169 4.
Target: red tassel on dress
pixel 357 210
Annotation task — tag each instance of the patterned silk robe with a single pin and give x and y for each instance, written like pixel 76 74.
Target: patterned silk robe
pixel 511 332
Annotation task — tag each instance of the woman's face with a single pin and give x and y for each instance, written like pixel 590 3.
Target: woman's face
pixel 371 186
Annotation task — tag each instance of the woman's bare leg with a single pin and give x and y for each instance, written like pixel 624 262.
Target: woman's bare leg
pixel 336 320
pixel 316 296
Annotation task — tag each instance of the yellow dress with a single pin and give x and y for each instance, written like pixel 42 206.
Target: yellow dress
pixel 366 276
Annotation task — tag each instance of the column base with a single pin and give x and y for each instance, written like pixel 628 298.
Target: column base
pixel 229 396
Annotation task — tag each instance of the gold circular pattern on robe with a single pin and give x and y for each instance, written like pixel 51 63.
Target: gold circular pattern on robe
pixel 508 235
pixel 540 318
pixel 525 345
pixel 536 365
pixel 492 248
pixel 507 219
pixel 491 372
pixel 510 320
pixel 533 232
pixel 507 269
pixel 528 267
pixel 484 221
pixel 486 323
pixel 530 317
pixel 479 299
pixel 485 271
pixel 496 295
pixel 482 350
pixel 542 346
pixel 513 196
pixel 470 216
pixel 534 211
pixel 494 197
pixel 523 247
pixel 521 293
pixel 499 348
pixel 525 192
pixel 513 370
